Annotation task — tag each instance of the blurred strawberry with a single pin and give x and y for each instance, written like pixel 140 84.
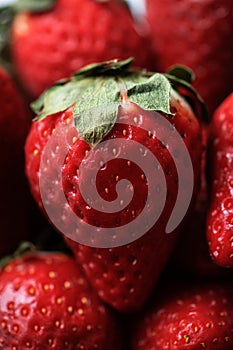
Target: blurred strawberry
pixel 192 255
pixel 197 34
pixel 15 198
pixel 220 169
pixel 56 42
pixel 187 317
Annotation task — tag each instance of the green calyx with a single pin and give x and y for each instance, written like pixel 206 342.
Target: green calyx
pixel 24 248
pixel 96 92
pixel 181 78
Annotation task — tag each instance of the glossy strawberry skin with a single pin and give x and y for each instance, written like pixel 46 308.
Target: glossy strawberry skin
pixel 123 276
pixel 220 151
pixel 46 302
pixel 72 34
pixel 194 317
pixel 15 199
pixel 198 35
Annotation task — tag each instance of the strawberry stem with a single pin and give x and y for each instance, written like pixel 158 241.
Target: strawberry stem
pixel 24 248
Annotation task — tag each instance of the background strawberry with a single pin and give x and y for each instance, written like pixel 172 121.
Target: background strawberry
pixel 14 191
pixel 220 152
pixel 123 274
pixel 46 302
pixel 197 34
pixel 187 317
pixel 191 255
pixel 73 33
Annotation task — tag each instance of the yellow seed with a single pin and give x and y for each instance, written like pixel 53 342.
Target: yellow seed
pixel 36 328
pixel 68 121
pixel 43 310
pixel 124 132
pixel 187 339
pixel 57 324
pixel 135 119
pixel 52 274
pixel 67 284
pixel 31 291
pixel 84 300
pixel 3 324
pixel 70 309
pixel 59 301
pixel 15 328
pixel 80 312
pixel 35 152
pixel 74 139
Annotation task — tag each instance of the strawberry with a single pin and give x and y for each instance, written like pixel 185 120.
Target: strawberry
pixel 194 317
pixel 46 302
pixel 103 124
pixel 220 152
pixel 71 34
pixel 14 190
pixel 197 34
pixel 192 254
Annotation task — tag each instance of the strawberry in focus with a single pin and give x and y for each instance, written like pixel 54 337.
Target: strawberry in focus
pixel 220 173
pixel 46 302
pixel 14 191
pixel 72 33
pixel 112 119
pixel 193 317
pixel 197 34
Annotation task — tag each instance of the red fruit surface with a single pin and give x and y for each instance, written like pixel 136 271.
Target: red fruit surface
pixel 123 276
pixel 74 33
pixel 14 189
pixel 220 156
pixel 197 34
pixel 192 318
pixel 192 254
pixel 46 303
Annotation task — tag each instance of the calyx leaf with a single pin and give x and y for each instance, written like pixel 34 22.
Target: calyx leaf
pixel 181 78
pixel 95 92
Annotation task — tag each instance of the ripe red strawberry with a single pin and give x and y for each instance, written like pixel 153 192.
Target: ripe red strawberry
pixel 197 34
pixel 220 219
pixel 59 41
pixel 197 317
pixel 14 189
pixel 46 302
pixel 192 252
pixel 112 130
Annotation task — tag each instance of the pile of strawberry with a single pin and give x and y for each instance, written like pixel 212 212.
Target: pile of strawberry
pixel 102 121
